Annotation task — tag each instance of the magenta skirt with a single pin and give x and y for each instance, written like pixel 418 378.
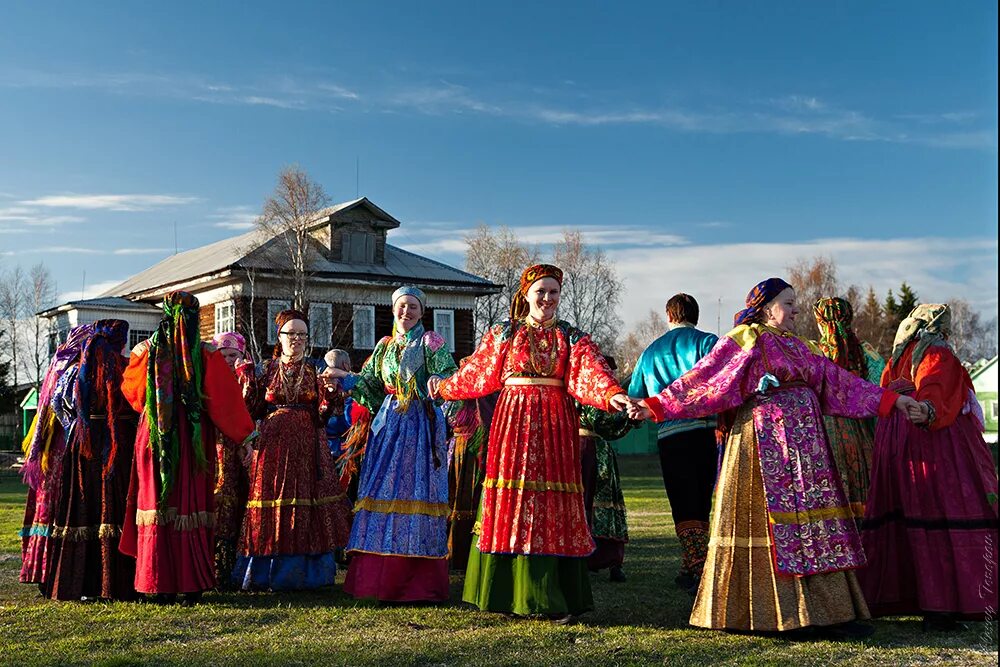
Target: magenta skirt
pixel 397 578
pixel 930 527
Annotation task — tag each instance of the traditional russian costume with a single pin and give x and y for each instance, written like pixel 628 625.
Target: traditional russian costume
pixel 399 540
pixel 783 542
pixel 930 528
pixel 533 537
pixel 184 391
pixel 297 513
pixel 86 524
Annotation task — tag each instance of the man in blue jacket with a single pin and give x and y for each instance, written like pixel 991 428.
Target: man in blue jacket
pixel 687 446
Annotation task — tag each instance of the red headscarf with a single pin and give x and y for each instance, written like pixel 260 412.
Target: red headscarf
pixel 519 304
pixel 283 318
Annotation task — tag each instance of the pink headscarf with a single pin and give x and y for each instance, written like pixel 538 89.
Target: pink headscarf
pixel 230 339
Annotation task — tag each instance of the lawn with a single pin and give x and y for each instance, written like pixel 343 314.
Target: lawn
pixel 640 622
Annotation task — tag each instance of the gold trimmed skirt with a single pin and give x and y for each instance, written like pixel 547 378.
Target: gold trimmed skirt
pixel 740 587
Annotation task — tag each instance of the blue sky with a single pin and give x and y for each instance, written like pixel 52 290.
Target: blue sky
pixel 705 145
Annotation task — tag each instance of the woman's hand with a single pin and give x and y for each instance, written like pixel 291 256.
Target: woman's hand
pixel 247 455
pixel 433 382
pixel 336 373
pixel 619 402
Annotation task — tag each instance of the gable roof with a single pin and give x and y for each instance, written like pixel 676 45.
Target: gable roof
pixel 251 250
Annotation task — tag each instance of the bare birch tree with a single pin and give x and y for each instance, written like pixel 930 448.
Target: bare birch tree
pixel 591 290
pixel 13 302
pixel 287 215
pixel 630 348
pixel 41 294
pixel 971 338
pixel 813 279
pixel 499 257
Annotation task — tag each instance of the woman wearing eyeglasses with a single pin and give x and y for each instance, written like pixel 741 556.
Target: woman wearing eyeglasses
pixel 297 513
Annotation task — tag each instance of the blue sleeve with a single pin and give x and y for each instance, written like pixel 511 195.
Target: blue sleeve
pixel 636 386
pixel 348 382
pixel 707 344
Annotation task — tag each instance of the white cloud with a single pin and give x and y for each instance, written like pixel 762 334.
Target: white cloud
pixel 140 251
pixel 719 276
pixel 30 217
pixel 137 202
pixel 234 217
pixel 89 291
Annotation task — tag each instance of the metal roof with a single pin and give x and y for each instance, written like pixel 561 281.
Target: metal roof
pixel 107 302
pixel 252 251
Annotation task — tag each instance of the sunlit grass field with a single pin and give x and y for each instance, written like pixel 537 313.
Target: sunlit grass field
pixel 640 622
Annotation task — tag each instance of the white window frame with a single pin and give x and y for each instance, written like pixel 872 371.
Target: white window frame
pixel 449 314
pixel 366 340
pixel 136 336
pixel 220 317
pixel 275 306
pixel 325 311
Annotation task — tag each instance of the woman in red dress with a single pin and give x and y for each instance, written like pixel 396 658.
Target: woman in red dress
pixel 531 556
pixel 930 527
pixel 297 513
pixel 184 391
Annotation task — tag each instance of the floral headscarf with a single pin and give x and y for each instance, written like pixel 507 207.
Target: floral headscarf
pixel 837 339
pixel 98 386
pixel 930 324
pixel 230 340
pixel 174 371
pixel 762 294
pixel 519 304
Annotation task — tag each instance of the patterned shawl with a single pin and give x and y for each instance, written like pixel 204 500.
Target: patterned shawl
pixel 762 294
pixel 519 307
pixel 930 324
pixel 837 339
pixel 174 377
pixel 98 386
pixel 37 444
pixel 410 362
pixel 230 340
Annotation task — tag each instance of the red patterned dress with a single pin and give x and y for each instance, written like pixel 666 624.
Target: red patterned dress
pixel 174 546
pixel 533 533
pixel 297 512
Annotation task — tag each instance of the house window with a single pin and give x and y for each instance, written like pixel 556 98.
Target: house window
pixel 444 324
pixel 275 306
pixel 321 324
pixel 357 247
pixel 56 338
pixel 993 411
pixel 225 317
pixel 136 336
pixel 364 327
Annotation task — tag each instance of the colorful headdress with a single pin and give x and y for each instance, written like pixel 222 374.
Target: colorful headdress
pixel 37 445
pixel 519 304
pixel 837 339
pixel 928 322
pixel 98 384
pixel 230 340
pixel 410 290
pixel 762 294
pixel 174 377
pixel 283 318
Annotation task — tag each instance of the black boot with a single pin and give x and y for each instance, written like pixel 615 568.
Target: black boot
pixel 936 621
pixel 191 599
pixel 850 631
pixel 617 574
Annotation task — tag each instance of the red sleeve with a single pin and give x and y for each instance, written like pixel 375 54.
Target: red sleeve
pixel 887 403
pixel 224 398
pixel 134 377
pixel 941 380
pixel 588 378
pixel 481 373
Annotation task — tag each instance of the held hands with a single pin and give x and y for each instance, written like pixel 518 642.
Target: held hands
pixel 916 412
pixel 636 410
pixel 246 455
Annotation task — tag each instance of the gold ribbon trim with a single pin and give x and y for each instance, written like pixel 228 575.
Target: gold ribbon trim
pixel 811 516
pixel 402 507
pixel 293 502
pixel 171 518
pixel 534 382
pixel 531 485
pixel 84 533
pixel 740 542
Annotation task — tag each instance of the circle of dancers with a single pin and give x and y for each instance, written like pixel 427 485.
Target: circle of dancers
pixel 812 484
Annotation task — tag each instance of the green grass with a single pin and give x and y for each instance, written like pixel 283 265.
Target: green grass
pixel 641 622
